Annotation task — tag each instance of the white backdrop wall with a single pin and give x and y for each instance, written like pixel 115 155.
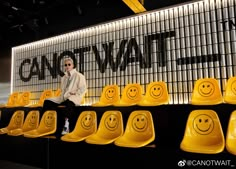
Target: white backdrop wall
pixel 178 45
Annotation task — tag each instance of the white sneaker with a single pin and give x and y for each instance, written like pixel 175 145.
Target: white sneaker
pixel 65 130
pixel 66 127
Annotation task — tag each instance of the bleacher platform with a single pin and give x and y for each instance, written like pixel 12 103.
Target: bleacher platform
pixel 50 152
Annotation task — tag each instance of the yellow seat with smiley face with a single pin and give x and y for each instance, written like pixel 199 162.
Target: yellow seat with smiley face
pixel 139 131
pixel 31 122
pixel 24 99
pixel 156 94
pixel 230 91
pixel 12 100
pixel 206 92
pixel 86 125
pixel 110 128
pixel 203 133
pixel 16 122
pixel 131 95
pixel 47 125
pixel 57 92
pixel 231 134
pixel 109 96
pixel 47 93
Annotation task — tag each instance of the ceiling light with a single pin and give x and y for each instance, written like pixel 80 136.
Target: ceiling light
pixel 15 8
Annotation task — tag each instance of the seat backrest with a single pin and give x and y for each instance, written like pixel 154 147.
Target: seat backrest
pixel 24 99
pixel 156 94
pixel 86 124
pixel 16 120
pixel 140 126
pixel 203 127
pixel 132 94
pixel 111 125
pixel 110 94
pixel 48 122
pixel 13 99
pixel 231 134
pixel 31 121
pixel 206 92
pixel 230 91
pixel 45 94
pixel 57 92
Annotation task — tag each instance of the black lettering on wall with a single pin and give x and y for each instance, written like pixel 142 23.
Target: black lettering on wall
pixel 52 69
pixel 161 47
pixel 102 64
pixel 81 52
pixel 231 24
pixel 199 59
pixel 34 69
pixel 132 44
pixel 108 48
pixel 24 79
pixel 228 24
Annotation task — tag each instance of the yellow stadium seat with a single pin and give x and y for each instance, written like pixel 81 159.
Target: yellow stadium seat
pixel 45 94
pixel 156 94
pixel 47 125
pixel 57 92
pixel 110 128
pixel 231 134
pixel 230 91
pixel 203 133
pixel 12 100
pixel 131 95
pixel 206 92
pixel 139 130
pixel 24 99
pixel 31 122
pixel 109 96
pixel 16 121
pixel 85 126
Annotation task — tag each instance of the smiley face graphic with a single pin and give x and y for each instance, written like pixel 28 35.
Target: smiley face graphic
pixel 203 124
pixel 87 121
pixel 49 119
pixel 111 122
pixel 25 98
pixel 33 119
pixel 132 92
pixel 233 87
pixel 156 91
pixel 110 93
pixel 18 119
pixel 140 123
pixel 14 98
pixel 206 89
pixel 48 94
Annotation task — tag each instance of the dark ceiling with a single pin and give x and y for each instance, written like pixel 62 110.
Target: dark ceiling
pixel 23 21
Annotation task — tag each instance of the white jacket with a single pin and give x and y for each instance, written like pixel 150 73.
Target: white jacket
pixel 77 86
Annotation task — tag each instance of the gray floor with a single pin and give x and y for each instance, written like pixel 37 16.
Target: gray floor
pixel 12 165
